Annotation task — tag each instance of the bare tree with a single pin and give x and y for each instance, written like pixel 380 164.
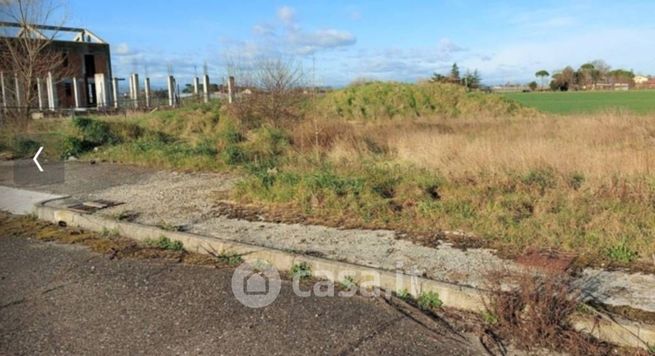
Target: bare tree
pixel 26 52
pixel 277 95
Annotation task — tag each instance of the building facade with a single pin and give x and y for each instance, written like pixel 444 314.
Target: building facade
pixel 83 74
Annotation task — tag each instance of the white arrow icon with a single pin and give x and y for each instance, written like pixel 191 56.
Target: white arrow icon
pixel 36 157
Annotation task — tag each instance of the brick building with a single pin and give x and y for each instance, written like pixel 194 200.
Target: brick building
pixel 85 58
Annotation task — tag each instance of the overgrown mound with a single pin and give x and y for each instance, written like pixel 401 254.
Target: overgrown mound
pixel 390 100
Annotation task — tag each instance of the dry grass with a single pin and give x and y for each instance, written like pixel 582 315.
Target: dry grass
pixel 536 313
pixel 581 184
pixel 600 147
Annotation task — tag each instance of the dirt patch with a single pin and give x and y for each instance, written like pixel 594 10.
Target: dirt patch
pixel 109 244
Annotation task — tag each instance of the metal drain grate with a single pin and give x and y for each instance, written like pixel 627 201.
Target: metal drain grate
pixel 92 206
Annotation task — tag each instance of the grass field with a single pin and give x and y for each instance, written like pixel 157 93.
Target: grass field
pixel 638 101
pixel 416 159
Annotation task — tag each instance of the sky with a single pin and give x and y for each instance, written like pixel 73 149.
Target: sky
pixel 339 41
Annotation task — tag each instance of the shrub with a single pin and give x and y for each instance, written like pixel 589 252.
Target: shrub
pixel 24 146
pixel 621 253
pixel 542 178
pixel 404 294
pixel 234 155
pixel 95 131
pixel 229 259
pixel 73 146
pixel 536 312
pixel 348 283
pixel 429 300
pixel 165 243
pixel 576 180
pixel 301 270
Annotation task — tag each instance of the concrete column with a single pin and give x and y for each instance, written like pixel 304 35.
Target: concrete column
pixel 52 92
pixel 131 87
pixel 172 99
pixel 230 89
pixel 196 86
pixel 146 87
pixel 76 93
pixel 3 91
pixel 102 91
pixel 205 83
pixel 114 90
pixel 135 90
pixel 17 92
pixel 39 93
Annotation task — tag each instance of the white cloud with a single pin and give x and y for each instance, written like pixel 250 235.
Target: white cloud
pixel 263 29
pixel 448 46
pixel 122 49
pixel 291 38
pixel 287 15
pixel 310 42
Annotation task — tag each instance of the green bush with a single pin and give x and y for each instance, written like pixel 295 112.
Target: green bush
pixel 301 270
pixel 542 178
pixel 429 300
pixel 165 243
pixel 24 146
pixel 95 131
pixel 73 146
pixel 576 180
pixel 621 253
pixel 390 100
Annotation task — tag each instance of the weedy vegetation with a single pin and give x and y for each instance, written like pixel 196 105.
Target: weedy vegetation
pixel 166 243
pixel 419 158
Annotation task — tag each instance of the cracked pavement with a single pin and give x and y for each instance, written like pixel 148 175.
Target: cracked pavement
pixel 64 299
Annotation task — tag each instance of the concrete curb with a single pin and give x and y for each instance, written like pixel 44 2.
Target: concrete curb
pixel 620 332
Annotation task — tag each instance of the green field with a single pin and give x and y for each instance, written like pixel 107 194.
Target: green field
pixel 639 101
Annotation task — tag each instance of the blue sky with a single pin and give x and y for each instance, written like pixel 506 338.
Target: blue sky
pixel 507 41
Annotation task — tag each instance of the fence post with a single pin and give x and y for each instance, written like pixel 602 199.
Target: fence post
pixel 196 86
pixel 76 93
pixel 102 91
pixel 205 83
pixel 146 87
pixel 172 99
pixel 135 89
pixel 39 93
pixel 4 91
pixel 114 90
pixel 52 92
pixel 230 89
pixel 17 93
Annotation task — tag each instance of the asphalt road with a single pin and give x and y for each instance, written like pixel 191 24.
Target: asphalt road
pixel 63 299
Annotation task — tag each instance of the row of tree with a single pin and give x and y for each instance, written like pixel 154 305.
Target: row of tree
pixel 471 80
pixel 590 75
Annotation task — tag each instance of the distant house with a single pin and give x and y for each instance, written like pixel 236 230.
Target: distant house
pixel 640 79
pixel 649 84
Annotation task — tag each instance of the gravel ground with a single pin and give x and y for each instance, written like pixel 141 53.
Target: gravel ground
pixel 188 200
pixel 67 300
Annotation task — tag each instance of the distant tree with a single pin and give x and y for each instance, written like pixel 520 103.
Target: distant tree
pixel 543 74
pixel 564 80
pixel 602 69
pixel 438 78
pixel 533 85
pixel 587 75
pixel 454 73
pixel 621 76
pixel 471 80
